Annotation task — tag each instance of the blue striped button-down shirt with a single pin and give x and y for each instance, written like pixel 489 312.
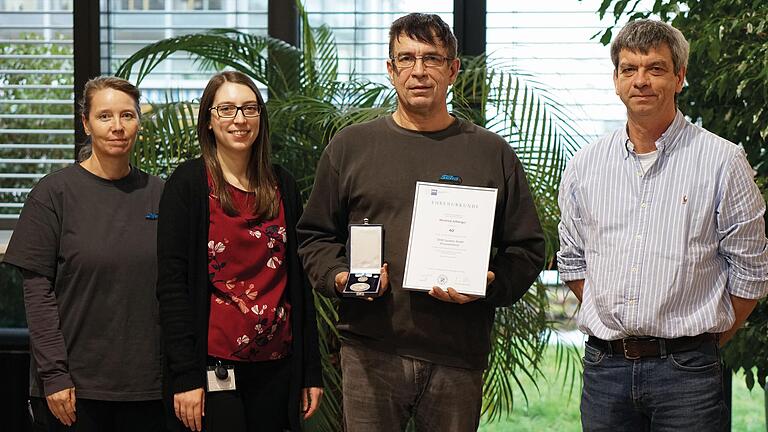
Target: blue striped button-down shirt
pixel 661 250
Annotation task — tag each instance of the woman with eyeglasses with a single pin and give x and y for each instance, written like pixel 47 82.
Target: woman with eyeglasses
pixel 86 245
pixel 233 296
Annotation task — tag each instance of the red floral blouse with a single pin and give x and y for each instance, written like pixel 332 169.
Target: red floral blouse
pixel 250 315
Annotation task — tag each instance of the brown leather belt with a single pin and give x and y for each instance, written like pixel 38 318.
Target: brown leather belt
pixel 634 348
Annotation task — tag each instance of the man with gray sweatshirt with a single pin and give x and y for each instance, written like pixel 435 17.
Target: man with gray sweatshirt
pixel 409 353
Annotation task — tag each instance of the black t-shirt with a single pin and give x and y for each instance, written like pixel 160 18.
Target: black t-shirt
pixel 98 329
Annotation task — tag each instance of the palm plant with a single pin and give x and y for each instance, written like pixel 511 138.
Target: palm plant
pixel 308 104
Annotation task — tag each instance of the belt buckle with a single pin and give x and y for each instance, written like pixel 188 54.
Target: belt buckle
pixel 627 355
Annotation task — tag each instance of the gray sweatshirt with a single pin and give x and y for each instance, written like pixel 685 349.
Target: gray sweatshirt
pixel 370 171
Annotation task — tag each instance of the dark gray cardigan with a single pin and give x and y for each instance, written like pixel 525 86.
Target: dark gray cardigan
pixel 183 288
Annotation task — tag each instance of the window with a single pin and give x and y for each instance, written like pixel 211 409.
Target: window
pixel 126 30
pixel 37 73
pixel 551 41
pixel 142 4
pixel 198 5
pixel 36 111
pixel 36 98
pixel 361 29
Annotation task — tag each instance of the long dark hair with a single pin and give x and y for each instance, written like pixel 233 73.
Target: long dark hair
pixel 261 178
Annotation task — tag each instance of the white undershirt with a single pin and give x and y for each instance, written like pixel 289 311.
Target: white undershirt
pixel 647 159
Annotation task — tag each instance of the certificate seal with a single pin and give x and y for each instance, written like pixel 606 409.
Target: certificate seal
pixel 442 280
pixel 359 287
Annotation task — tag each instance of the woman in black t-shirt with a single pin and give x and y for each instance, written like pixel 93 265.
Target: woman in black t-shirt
pixel 86 245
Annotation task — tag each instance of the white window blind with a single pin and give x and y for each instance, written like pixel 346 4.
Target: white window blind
pixel 361 29
pixel 36 97
pixel 552 42
pixel 37 73
pixel 128 26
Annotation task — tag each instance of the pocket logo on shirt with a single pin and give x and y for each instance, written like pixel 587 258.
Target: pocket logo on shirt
pixel 685 199
pixel 450 178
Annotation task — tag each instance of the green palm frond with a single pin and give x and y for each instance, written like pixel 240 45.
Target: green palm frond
pixel 568 361
pixel 314 120
pixel 543 136
pixel 329 416
pixel 320 56
pixel 309 104
pixel 519 337
pixel 526 115
pixel 266 60
pixel 167 138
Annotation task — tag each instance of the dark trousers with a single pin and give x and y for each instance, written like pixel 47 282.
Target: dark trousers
pixel 101 416
pixel 383 392
pixel 678 392
pixel 260 402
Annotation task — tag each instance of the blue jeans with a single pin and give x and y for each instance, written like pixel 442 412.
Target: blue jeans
pixel 679 392
pixel 383 392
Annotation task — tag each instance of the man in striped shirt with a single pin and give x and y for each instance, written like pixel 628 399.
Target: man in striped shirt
pixel 662 240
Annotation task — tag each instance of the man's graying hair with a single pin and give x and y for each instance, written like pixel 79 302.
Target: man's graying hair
pixel 643 35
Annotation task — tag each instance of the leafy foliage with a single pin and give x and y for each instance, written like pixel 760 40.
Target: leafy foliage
pixel 308 104
pixel 168 136
pixel 728 93
pixel 748 350
pixel 728 68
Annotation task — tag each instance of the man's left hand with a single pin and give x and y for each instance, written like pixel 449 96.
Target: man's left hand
pixel 452 296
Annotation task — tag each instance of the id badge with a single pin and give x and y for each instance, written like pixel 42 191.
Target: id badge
pixel 221 377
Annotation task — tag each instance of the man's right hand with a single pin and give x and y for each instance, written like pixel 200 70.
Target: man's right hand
pixel 189 407
pixel 341 281
pixel 62 405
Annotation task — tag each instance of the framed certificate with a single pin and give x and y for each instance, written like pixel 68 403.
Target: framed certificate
pixel 450 238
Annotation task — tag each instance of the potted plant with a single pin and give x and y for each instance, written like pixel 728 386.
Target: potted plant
pixel 308 104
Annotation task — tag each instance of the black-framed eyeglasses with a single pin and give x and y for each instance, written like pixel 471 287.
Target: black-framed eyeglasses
pixel 230 111
pixel 428 60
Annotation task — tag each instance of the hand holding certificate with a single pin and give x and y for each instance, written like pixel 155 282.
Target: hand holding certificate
pixel 450 239
pixel 450 295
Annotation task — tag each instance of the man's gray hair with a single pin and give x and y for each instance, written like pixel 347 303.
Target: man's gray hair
pixel 643 35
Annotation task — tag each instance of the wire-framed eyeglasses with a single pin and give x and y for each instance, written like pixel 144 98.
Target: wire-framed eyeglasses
pixel 230 111
pixel 428 60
